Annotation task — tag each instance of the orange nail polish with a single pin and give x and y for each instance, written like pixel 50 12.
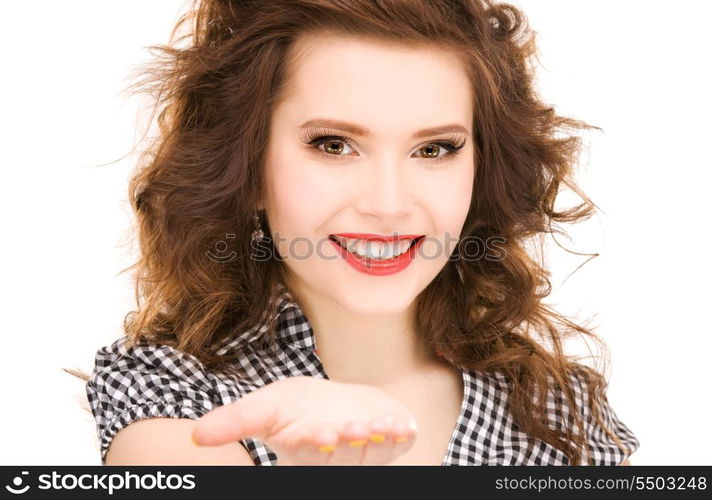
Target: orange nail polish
pixel 327 448
pixel 358 442
pixel 378 438
pixel 400 439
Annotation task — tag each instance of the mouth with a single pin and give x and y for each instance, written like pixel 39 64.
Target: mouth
pixel 385 256
pixel 376 237
pixel 341 239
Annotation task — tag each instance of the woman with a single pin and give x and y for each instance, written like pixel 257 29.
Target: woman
pixel 333 224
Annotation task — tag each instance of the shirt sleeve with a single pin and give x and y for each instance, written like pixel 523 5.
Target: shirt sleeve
pixel 609 439
pixel 144 381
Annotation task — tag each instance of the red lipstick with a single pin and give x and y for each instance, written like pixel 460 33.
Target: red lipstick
pixel 378 237
pixel 378 267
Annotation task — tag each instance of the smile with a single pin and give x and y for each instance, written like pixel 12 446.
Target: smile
pixel 377 255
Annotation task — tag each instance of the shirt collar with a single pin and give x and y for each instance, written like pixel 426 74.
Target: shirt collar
pixel 292 326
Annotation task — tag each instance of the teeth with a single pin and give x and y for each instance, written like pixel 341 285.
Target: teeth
pixel 375 249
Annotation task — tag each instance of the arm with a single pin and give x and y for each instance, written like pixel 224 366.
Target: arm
pixel 167 441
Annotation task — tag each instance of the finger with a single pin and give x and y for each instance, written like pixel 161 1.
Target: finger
pixel 253 415
pixel 380 444
pixel 352 442
pixel 306 444
pixel 403 438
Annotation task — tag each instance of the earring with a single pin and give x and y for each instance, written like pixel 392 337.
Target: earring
pixel 257 234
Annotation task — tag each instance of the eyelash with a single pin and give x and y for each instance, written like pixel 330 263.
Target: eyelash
pixel 313 139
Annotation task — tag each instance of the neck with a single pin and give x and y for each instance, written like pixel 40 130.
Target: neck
pixel 364 349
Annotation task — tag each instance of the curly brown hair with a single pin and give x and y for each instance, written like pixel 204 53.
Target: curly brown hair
pixel 201 178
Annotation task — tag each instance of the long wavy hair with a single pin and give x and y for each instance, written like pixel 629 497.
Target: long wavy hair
pixel 214 87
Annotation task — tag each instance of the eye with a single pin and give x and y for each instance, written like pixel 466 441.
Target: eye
pixel 452 147
pixel 334 146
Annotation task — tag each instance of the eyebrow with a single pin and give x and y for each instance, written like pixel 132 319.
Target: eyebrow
pixel 355 129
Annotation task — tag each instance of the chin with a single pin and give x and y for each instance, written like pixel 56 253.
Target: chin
pixel 372 303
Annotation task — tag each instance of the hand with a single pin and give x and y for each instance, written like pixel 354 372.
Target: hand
pixel 313 421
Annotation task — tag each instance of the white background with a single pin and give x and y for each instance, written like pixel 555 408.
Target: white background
pixel 637 69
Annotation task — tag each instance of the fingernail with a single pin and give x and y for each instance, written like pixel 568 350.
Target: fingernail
pixel 358 442
pixel 378 438
pixel 326 448
pixel 192 438
pixel 400 439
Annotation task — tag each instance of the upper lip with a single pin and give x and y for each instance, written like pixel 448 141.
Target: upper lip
pixel 378 237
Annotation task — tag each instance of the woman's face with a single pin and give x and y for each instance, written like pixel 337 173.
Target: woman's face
pixel 389 179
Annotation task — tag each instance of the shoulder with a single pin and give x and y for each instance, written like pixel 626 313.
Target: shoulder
pixel 146 355
pixel 609 440
pixel 146 380
pixel 491 436
pixel 129 373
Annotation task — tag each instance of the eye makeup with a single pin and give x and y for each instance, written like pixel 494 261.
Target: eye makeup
pixel 313 138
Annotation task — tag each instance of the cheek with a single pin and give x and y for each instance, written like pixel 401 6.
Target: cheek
pixel 448 201
pixel 449 198
pixel 301 198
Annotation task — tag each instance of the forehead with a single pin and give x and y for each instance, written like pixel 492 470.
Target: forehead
pixel 360 79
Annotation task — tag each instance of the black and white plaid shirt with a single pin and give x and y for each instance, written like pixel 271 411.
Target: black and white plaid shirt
pixel 151 380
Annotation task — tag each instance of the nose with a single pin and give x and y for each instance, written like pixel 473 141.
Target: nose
pixel 386 190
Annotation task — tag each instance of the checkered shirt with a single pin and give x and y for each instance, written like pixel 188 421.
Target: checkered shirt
pixel 149 380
